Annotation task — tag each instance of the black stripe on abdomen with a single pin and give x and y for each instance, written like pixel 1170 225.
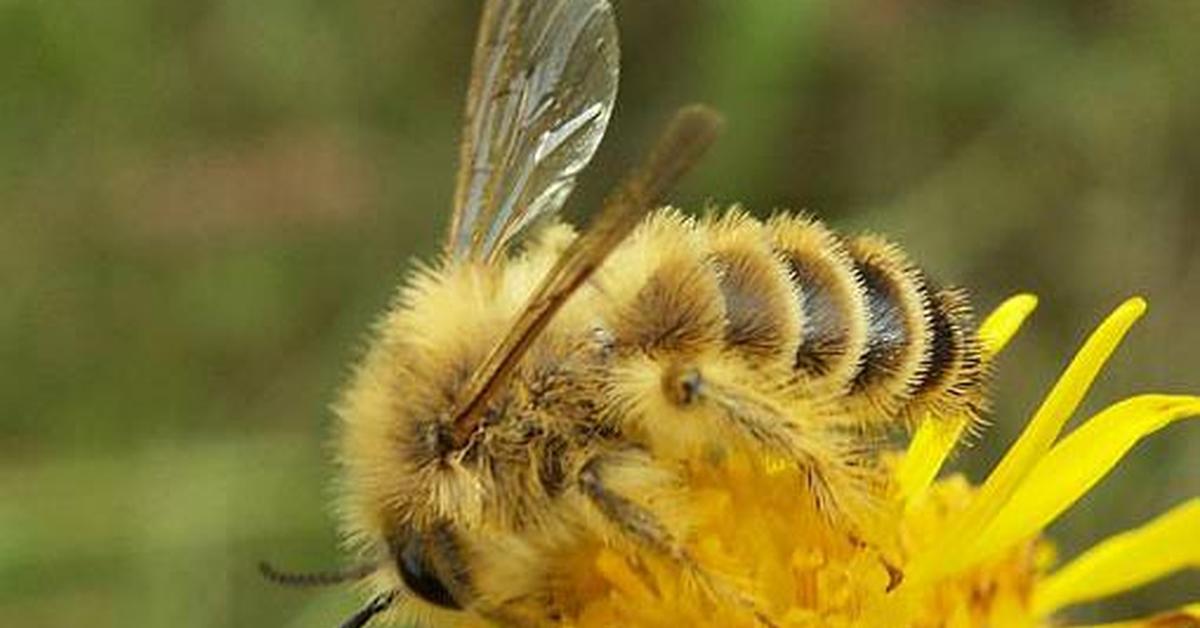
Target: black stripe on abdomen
pixel 830 299
pixel 897 337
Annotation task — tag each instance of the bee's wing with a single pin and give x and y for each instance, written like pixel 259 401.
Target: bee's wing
pixel 543 83
pixel 690 133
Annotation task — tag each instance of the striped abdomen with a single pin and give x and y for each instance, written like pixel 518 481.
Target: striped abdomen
pixel 852 319
pixel 875 328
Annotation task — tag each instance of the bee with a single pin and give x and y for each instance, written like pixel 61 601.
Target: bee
pixel 539 388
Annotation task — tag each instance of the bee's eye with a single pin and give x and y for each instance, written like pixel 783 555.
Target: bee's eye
pixel 420 575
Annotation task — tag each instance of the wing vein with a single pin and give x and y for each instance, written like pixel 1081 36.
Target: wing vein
pixel 543 84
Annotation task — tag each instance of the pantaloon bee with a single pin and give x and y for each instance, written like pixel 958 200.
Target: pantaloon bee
pixel 520 400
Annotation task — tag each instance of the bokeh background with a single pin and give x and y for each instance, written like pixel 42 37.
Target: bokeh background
pixel 204 204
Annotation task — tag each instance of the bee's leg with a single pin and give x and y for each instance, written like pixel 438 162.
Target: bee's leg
pixel 632 519
pixel 643 527
pixel 833 476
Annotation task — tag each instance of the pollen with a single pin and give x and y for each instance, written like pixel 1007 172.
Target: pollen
pixel 929 549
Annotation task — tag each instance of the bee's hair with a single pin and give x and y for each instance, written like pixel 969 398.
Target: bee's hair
pixel 314 578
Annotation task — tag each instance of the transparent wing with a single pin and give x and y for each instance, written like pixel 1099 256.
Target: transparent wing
pixel 543 83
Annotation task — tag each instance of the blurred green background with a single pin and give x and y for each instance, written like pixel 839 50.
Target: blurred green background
pixel 204 204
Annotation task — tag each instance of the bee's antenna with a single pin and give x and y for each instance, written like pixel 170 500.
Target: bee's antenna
pixel 314 579
pixel 377 605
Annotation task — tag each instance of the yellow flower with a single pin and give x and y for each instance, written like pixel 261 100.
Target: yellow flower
pixel 941 552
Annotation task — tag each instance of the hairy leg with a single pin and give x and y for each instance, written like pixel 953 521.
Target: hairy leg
pixel 639 524
pixel 833 475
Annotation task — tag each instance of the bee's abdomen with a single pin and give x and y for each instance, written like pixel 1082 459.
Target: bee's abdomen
pixel 872 331
pixel 847 320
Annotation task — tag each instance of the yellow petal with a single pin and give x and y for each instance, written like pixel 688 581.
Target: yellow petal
pixel 935 439
pixel 930 446
pixel 1127 560
pixel 1033 443
pixel 1074 466
pixel 1004 322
